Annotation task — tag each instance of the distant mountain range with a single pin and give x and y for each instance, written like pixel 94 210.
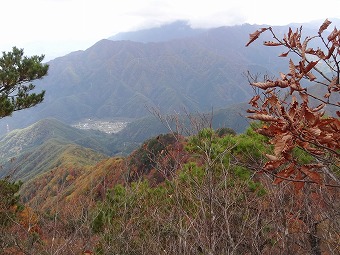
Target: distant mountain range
pixel 188 71
pixel 168 79
pixel 176 30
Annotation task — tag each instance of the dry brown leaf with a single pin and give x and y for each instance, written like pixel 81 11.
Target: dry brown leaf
pixel 330 52
pixel 327 95
pixel 320 54
pixel 333 35
pixel 293 40
pixel 263 117
pixel 293 110
pixel 316 165
pixel 332 84
pixel 324 26
pixel 311 76
pixel 271 157
pixel 319 107
pixel 292 68
pixel 314 176
pixel 252 111
pixel 263 85
pixel 272 165
pixel 282 84
pixel 278 180
pixel 314 131
pixel 282 143
pixel 299 184
pixel 283 76
pixel 304 97
pixel 270 43
pixel 311 117
pixel 255 35
pixel 295 86
pixel 253 101
pixel 284 54
pixel 310 66
pixel 286 173
pixel 311 51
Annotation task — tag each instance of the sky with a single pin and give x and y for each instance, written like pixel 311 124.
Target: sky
pixel 58 27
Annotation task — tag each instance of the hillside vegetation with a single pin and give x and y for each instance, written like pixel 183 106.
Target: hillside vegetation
pixel 207 180
pixel 184 195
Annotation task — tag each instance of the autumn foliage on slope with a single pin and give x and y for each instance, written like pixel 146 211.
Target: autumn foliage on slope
pixel 299 125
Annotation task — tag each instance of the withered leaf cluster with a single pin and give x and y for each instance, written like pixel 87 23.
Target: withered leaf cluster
pixel 292 122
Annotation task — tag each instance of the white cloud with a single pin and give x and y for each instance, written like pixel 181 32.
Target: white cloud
pixel 62 23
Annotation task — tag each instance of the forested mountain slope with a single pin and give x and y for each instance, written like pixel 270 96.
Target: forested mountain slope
pixel 126 78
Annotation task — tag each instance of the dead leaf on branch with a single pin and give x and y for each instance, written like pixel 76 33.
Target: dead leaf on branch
pixel 252 111
pixel 284 54
pixel 311 118
pixel 270 43
pixel 271 131
pixel 292 68
pixel 273 164
pixel 272 102
pixel 319 107
pixel 283 76
pixel 253 101
pixel 324 26
pixel 255 35
pixel 330 52
pixel 314 176
pixel 310 66
pixel 316 165
pixel 285 173
pixel 263 117
pixel 271 157
pixel 293 110
pixel 294 39
pixel 298 124
pixel 298 184
pixel 295 86
pixel 282 143
pixel 332 84
pixel 304 97
pixel 310 149
pixel 311 76
pixel 314 131
pixel 282 83
pixel 333 35
pixel 264 85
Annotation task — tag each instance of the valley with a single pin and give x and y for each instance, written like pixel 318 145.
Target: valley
pixel 105 126
pixel 154 142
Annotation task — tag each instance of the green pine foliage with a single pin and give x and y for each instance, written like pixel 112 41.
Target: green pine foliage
pixel 194 198
pixel 9 201
pixel 16 74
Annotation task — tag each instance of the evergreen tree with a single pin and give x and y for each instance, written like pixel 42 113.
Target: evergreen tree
pixel 16 75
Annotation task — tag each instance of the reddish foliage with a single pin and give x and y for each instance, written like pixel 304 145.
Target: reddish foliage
pixel 298 124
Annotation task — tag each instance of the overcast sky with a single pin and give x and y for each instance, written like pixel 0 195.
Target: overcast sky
pixel 57 27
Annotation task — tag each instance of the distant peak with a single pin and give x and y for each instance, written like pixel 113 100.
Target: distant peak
pixel 166 32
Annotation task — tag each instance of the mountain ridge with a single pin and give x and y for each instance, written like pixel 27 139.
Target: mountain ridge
pixel 125 78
